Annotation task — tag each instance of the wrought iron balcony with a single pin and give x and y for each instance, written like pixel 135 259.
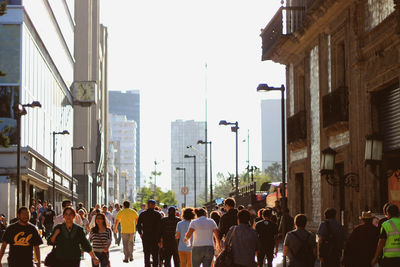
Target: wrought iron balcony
pixel 335 109
pixel 297 130
pixel 285 22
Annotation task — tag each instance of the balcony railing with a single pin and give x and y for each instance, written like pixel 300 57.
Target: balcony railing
pixel 285 22
pixel 335 108
pixel 297 130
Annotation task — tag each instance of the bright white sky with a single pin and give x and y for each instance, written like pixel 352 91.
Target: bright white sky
pixel 160 47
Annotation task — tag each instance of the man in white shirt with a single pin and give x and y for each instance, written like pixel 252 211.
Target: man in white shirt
pixel 203 230
pixel 59 219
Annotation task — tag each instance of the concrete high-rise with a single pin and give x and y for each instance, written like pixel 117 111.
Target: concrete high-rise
pixel 271 132
pixel 128 104
pixel 184 134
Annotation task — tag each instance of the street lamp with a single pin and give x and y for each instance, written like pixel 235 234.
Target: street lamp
pixel 65 132
pixel 266 88
pixel 201 142
pixel 194 174
pixel 234 129
pixel 72 170
pixel 19 110
pixel 184 183
pixel 84 177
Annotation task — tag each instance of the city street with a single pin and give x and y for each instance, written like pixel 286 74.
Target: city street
pixel 116 256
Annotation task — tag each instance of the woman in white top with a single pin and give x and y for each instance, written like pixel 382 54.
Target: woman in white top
pixel 202 230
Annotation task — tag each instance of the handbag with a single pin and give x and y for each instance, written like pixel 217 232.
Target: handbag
pixel 51 259
pixel 225 258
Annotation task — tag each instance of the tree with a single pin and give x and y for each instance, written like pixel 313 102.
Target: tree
pixel 147 193
pixel 274 171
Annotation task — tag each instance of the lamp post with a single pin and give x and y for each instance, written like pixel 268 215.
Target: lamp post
pixel 184 183
pixel 234 129
pixel 84 177
pixel 19 110
pixel 65 132
pixel 194 175
pixel 72 170
pixel 266 88
pixel 200 142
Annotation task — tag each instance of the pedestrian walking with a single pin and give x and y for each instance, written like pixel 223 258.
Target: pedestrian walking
pixel 85 222
pixel 127 217
pixel 117 228
pixel 101 238
pixel 48 220
pixel 259 216
pixel 389 239
pixel 60 218
pixel 142 208
pixel 244 241
pixel 23 238
pixel 286 223
pixel 215 216
pixel 299 245
pixel 109 216
pixel 168 241
pixel 185 248
pixel 33 216
pixel 229 218
pixel 203 230
pixel 149 229
pixel 331 238
pixel 361 245
pixel 267 232
pixel 68 239
pixel 165 210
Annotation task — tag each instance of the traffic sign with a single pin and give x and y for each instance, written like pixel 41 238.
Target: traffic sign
pixel 185 190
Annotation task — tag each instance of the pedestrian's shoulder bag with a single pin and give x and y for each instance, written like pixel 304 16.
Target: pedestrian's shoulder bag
pixel 225 258
pixel 305 254
pixel 51 259
pixel 328 244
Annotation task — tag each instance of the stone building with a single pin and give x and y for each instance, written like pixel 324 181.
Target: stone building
pixel 342 86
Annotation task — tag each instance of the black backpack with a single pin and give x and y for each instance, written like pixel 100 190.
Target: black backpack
pixel 304 257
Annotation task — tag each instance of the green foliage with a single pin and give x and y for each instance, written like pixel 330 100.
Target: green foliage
pixel 275 172
pixel 160 196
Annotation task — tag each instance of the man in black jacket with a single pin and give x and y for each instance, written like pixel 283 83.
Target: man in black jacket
pixel 149 229
pixel 229 218
pixel 168 241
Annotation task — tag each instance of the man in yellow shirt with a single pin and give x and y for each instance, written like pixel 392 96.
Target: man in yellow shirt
pixel 128 219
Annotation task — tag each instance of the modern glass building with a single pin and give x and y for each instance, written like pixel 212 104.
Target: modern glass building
pixel 128 104
pixel 36 54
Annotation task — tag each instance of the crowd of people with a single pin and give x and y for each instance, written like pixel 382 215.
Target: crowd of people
pixel 192 237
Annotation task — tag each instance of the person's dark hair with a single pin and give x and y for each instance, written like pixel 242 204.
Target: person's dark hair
pixel 241 207
pixel 111 206
pixel 171 212
pixel 223 209
pixel 300 220
pixel 69 209
pixel 244 217
pixel 267 213
pixel 200 212
pixel 385 207
pixel 393 210
pixel 188 214
pixel 367 220
pixel 165 206
pixel 66 203
pixel 80 204
pixel 126 204
pixel 260 212
pixel 330 213
pixel 95 229
pixel 39 201
pixel 97 211
pixel 104 206
pixel 49 206
pixel 230 202
pixel 215 216
pixel 19 211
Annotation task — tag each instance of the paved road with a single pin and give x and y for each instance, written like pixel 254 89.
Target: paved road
pixel 117 255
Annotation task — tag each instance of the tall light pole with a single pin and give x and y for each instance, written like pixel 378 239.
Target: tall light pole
pixel 155 173
pixel 194 175
pixel 266 88
pixel 72 170
pixel 184 183
pixel 84 177
pixel 235 129
pixel 200 142
pixel 65 132
pixel 19 110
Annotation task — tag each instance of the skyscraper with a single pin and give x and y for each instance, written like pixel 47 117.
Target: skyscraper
pixel 128 104
pixel 184 134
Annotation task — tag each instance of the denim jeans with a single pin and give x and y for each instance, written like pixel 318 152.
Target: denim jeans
pixel 203 255
pixel 103 259
pixel 127 243
pixel 117 236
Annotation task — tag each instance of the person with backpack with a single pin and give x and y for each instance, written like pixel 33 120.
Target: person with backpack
pixel 267 232
pixel 331 237
pixel 299 245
